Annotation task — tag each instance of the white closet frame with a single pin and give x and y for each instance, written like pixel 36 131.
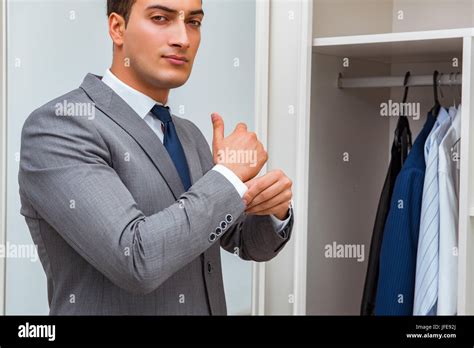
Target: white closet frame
pixel 268 283
pixel 268 297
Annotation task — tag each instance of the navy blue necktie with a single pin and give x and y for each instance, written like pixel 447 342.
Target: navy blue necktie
pixel 172 144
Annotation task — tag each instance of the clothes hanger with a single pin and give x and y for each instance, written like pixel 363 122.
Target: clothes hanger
pixel 403 125
pixel 437 106
pixel 405 82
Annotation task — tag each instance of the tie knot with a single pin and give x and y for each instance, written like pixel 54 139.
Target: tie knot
pixel 162 113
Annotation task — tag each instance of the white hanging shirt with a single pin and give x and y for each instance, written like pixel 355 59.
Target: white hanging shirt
pixel 448 180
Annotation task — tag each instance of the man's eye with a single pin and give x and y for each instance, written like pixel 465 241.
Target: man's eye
pixel 197 23
pixel 157 17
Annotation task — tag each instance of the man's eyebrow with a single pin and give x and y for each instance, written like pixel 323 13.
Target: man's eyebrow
pixel 167 9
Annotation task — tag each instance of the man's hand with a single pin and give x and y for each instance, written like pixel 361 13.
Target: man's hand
pixel 269 194
pixel 241 151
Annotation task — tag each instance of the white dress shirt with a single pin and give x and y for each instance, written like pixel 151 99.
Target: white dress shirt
pixel 142 105
pixel 448 176
pixel 427 258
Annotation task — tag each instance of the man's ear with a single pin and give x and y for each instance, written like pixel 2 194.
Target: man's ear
pixel 116 28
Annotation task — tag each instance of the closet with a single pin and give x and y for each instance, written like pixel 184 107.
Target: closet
pixel 334 143
pixel 361 51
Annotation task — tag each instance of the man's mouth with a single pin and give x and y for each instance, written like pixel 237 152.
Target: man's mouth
pixel 177 60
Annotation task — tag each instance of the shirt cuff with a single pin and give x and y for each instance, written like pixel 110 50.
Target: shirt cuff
pixel 281 224
pixel 232 177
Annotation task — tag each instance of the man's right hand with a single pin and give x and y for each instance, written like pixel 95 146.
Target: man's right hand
pixel 241 151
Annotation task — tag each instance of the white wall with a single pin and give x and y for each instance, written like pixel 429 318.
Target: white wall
pixel 42 64
pixel 55 52
pixel 343 192
pixel 359 17
pixel 432 14
pixel 351 17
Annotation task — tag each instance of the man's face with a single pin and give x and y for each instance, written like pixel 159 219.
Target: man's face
pixel 153 33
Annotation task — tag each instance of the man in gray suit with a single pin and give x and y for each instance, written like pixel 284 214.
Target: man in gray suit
pixel 125 201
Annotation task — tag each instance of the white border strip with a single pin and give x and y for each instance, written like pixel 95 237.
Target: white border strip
pixel 3 146
pixel 464 229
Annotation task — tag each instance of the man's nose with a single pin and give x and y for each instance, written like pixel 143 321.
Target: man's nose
pixel 180 35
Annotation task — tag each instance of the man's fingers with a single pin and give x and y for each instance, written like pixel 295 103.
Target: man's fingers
pixel 241 126
pixel 273 210
pixel 268 193
pixel 283 197
pixel 260 184
pixel 218 126
pixel 251 182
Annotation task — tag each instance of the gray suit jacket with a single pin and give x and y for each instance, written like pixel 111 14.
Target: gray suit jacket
pixel 116 233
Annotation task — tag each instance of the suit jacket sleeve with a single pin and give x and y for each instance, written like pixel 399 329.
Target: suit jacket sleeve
pixel 252 237
pixel 66 174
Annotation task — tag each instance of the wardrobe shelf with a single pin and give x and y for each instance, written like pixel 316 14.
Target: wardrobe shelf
pixel 393 37
pixel 434 45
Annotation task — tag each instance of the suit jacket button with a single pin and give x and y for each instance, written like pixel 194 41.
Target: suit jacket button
pixel 212 237
pixel 218 231
pixel 209 267
pixel 223 225
pixel 229 218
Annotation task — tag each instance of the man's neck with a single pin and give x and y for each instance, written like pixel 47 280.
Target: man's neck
pixel 159 95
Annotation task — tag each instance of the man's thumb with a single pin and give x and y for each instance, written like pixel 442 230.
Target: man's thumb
pixel 218 125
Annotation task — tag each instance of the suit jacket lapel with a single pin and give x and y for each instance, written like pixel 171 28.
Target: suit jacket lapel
pixel 113 106
pixel 190 151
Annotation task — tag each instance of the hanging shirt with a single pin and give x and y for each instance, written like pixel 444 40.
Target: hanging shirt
pixel 427 262
pixel 448 176
pixel 396 282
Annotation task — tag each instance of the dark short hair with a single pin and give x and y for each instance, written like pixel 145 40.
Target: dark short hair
pixel 121 7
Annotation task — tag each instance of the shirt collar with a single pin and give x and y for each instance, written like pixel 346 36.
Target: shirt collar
pixel 139 102
pixel 443 115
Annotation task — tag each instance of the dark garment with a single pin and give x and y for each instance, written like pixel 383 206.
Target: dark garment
pixel 400 147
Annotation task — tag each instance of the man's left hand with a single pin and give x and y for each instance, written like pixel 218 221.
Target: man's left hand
pixel 269 194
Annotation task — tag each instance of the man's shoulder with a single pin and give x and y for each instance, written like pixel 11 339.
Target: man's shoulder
pixel 73 103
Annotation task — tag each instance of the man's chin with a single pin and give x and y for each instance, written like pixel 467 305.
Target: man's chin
pixel 168 81
pixel 173 82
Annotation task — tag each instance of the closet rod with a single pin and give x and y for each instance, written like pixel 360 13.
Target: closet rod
pixel 397 81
